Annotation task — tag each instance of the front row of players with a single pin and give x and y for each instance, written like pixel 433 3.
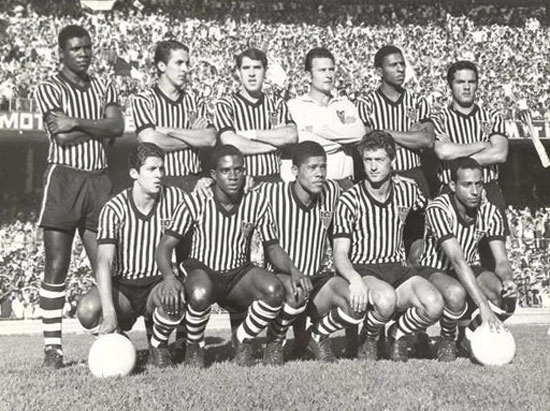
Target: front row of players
pixel 140 228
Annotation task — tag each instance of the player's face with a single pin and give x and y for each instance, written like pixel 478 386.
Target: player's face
pixel 77 54
pixel 464 87
pixel 229 175
pixel 252 74
pixel 149 175
pixel 311 174
pixel 377 165
pixel 468 187
pixel 393 70
pixel 175 70
pixel 322 74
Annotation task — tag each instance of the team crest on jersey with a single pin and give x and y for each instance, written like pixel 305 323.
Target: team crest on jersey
pixel 479 234
pixel 403 212
pixel 193 115
pixel 164 224
pixel 273 118
pixel 486 127
pixel 412 113
pixel 247 228
pixel 341 115
pixel 326 218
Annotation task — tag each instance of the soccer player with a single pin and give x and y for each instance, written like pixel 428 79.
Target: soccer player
pixel 368 251
pixel 303 212
pixel 330 121
pixel 455 224
pixel 254 122
pixel 129 283
pixel 222 220
pixel 80 112
pixel 405 115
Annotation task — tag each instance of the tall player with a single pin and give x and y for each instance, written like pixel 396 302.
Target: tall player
pixel 254 122
pixel 222 220
pixel 171 116
pixel 129 283
pixel 369 253
pixel 303 212
pixel 80 112
pixel 455 224
pixel 330 121
pixel 404 115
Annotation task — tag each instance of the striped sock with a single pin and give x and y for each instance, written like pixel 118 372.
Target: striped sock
pixel 196 324
pixel 449 321
pixel 373 325
pixel 162 328
pixel 278 328
pixel 52 300
pixel 410 322
pixel 335 320
pixel 259 316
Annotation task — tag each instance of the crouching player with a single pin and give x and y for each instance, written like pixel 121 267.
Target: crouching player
pixel 303 211
pixel 129 283
pixel 455 225
pixel 369 251
pixel 222 219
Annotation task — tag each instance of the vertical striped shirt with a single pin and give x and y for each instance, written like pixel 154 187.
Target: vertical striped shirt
pixel 378 112
pixel 221 238
pixel 374 228
pixel 136 235
pixel 477 126
pixel 153 108
pixel 59 94
pixel 235 113
pixel 443 221
pixel 302 229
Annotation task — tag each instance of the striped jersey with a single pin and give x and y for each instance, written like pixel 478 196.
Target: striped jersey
pixel 235 113
pixel 477 126
pixel 378 112
pixel 136 235
pixel 153 108
pixel 221 238
pixel 302 230
pixel 443 221
pixel 374 228
pixel 59 94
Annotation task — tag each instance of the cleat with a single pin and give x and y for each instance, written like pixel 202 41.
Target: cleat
pixel 322 350
pixel 274 353
pixel 194 355
pixel 446 350
pixel 352 342
pixel 179 354
pixel 160 356
pixel 368 349
pixel 399 350
pixel 53 357
pixel 243 354
pixel 422 346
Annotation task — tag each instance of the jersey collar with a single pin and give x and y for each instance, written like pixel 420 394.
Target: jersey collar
pixel 461 220
pixel 292 187
pixel 136 210
pixel 248 102
pixel 391 102
pixel 458 113
pixel 161 94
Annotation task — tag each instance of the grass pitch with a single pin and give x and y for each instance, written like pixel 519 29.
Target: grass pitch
pixel 298 385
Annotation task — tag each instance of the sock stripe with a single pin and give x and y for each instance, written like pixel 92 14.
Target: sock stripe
pixel 196 323
pixel 260 315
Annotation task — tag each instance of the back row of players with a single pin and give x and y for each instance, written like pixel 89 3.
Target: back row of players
pixel 441 277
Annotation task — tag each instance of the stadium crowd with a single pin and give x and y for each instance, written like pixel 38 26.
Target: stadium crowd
pixel 508 43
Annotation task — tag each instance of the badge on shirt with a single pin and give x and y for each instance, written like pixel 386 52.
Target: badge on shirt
pixel 403 212
pixel 341 115
pixel 412 113
pixel 164 224
pixel 326 218
pixel 486 127
pixel 193 115
pixel 247 228
pixel 273 118
pixel 479 234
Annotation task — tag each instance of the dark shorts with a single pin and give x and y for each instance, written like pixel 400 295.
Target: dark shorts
pixel 393 273
pixel 186 183
pixel 223 281
pixel 271 178
pixel 137 291
pixel 318 281
pixel 426 272
pixel 345 183
pixel 73 198
pixel 417 174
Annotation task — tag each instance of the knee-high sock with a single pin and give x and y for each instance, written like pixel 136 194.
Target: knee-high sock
pixel 411 322
pixel 373 324
pixel 335 320
pixel 196 322
pixel 52 300
pixel 449 321
pixel 162 328
pixel 278 328
pixel 259 316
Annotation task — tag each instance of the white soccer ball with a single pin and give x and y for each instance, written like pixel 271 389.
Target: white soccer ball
pixel 111 355
pixel 492 348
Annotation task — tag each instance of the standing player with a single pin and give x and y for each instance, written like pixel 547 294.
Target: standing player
pixel 303 212
pixel 174 119
pixel 129 283
pixel 330 121
pixel 254 122
pixel 80 112
pixel 222 220
pixel 405 116
pixel 368 250
pixel 455 225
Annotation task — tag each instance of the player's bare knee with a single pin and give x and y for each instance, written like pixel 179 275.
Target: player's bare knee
pixel 454 297
pixel 432 304
pixel 199 298
pixel 274 293
pixel 88 312
pixel 384 302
